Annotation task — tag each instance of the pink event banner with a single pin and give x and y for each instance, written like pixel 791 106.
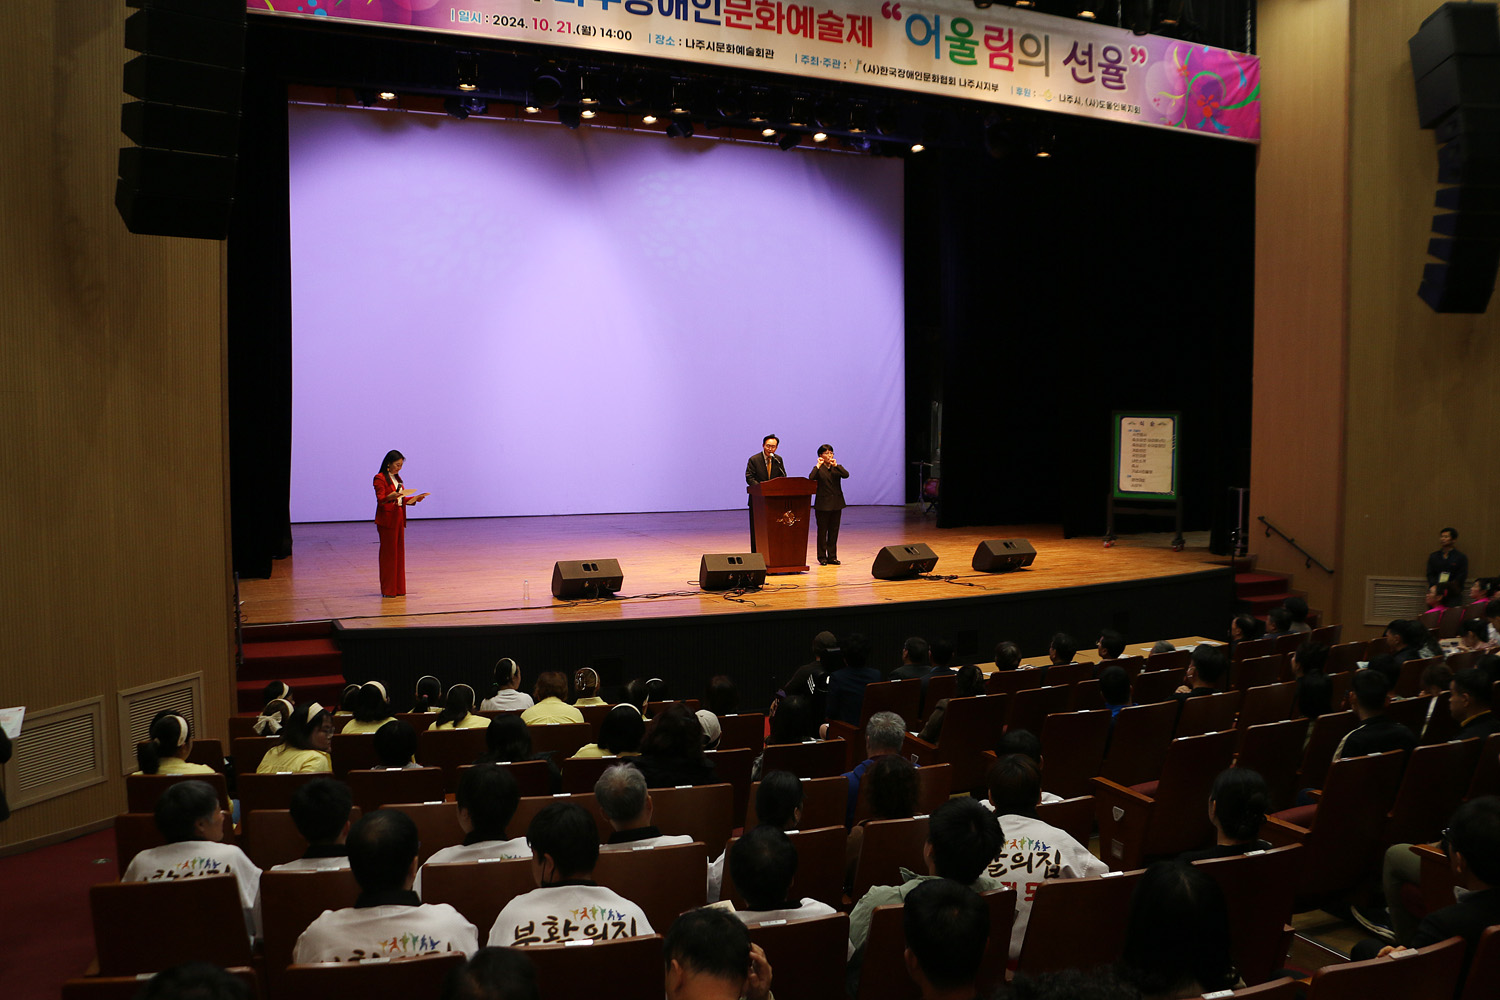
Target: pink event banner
pixel 999 55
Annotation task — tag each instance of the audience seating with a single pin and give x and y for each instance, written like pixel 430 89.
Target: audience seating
pixel 246 751
pixel 1132 665
pixel 1429 974
pixel 1028 709
pixel 477 889
pixel 662 881
pixel 1289 643
pixel 533 777
pixel 1274 751
pixel 733 766
pixel 1139 743
pixel 1138 824
pixel 594 715
pixel 936 689
pixel 1346 656
pixel 1211 713
pixel 356 751
pixel 1266 703
pixel 1073 744
pixel 142 790
pixel 1259 888
pixel 1177 659
pixel 1060 674
pixel 1258 672
pixel 1441 725
pixel 883 975
pixel 530 805
pixel 374 788
pixel 934 786
pixel 134 832
pixel 823 802
pixel 1433 785
pixel 241 726
pixel 889 846
pixel 1285 988
pixel 207 751
pixel 1451 622
pixel 1011 681
pixel 270 791
pixel 270 838
pixel 902 697
pixel 561 739
pixel 808 957
pixel 820 867
pixel 1154 686
pixel 1410 712
pixel 289 901
pixel 1077 923
pixel 626 968
pixel 1087 696
pixel 970 727
pixel 1328 635
pixel 703 812
pixel 812 759
pixel 1409 684
pixel 1483 982
pixel 128 987
pixel 448 749
pixel 437 825
pixel 746 731
pixel 581 774
pixel 1249 649
pixel 1343 832
pixel 1486 780
pixel 1327 732
pixel 1074 816
pixel 203 918
pixel 398 979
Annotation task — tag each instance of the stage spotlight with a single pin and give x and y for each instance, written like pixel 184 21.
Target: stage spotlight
pixel 798 116
pixel 1046 145
pixel 531 109
pixel 681 96
pixel 569 117
pixel 648 119
pixel 455 108
pixel 466 69
pixel 1029 4
pixel 586 92
pixel 680 128
pixel 546 91
pixel 788 140
pixel 1086 10
pixel 820 137
pixel 917 147
pixel 1168 16
pixel 587 113
pixel 767 132
pixel 387 95
pixel 984 4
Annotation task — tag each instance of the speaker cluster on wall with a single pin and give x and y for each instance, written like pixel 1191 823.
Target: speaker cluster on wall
pixel 732 571
pixel 584 578
pixel 1455 58
pixel 178 178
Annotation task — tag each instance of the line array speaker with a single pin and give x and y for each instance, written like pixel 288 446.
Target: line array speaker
pixel 999 554
pixel 897 561
pixel 586 578
pixel 732 571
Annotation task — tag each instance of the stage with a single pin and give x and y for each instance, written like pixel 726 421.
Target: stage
pixel 466 604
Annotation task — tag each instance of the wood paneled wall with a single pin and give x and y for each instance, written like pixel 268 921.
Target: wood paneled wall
pixel 113 551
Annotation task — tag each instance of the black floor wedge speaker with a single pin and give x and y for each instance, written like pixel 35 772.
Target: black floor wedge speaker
pixel 896 561
pixel 1000 554
pixel 586 578
pixel 731 571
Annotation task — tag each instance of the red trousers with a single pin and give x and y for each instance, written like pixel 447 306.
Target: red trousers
pixel 393 558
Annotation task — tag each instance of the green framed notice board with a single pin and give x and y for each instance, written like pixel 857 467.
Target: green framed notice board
pixel 1145 450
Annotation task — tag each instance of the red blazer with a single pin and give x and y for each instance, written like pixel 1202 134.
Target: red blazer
pixel 387 515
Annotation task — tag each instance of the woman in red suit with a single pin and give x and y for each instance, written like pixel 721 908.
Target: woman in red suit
pixel 391 501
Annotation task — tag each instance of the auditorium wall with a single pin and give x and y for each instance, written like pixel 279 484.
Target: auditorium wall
pixel 113 562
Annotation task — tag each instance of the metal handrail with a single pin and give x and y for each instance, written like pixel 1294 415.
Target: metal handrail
pixel 1312 560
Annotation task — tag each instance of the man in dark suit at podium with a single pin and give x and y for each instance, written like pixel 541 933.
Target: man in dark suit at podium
pixel 764 464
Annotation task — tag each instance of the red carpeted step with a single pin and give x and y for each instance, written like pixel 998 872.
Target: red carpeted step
pixel 286 631
pixel 1251 585
pixel 1262 603
pixel 271 661
pixel 324 689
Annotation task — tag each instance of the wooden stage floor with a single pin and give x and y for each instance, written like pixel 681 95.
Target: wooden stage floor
pixel 470 571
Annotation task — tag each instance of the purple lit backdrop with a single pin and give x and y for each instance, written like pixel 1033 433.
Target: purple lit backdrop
pixel 557 322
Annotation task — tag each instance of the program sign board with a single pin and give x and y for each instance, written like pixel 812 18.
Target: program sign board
pixel 1146 456
pixel 999 55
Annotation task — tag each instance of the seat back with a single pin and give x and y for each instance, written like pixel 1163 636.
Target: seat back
pixel 1179 820
pixel 1087 696
pixel 477 889
pixel 813 759
pixel 808 957
pixel 530 805
pixel 746 731
pixel 248 750
pixel 823 802
pixel 734 766
pixel 1011 681
pixel 1486 780
pixel 581 774
pixel 1249 649
pixel 889 846
pixel 1274 751
pixel 269 837
pixel 1259 888
pixel 373 789
pixel 1139 744
pixel 703 812
pixel 241 726
pixel 1177 659
pixel 289 901
pixel 1409 684
pixel 662 881
pixel 883 975
pixel 128 941
pixel 902 697
pixel 1346 656
pixel 594 715
pixel 1266 703
pixel 1287 644
pixel 207 751
pixel 1073 743
pixel 1067 673
pixel 1345 842
pixel 270 791
pixel 1154 686
pixel 1028 709
pixel 630 966
pixel 142 790
pixel 1077 923
pixel 128 987
pixel 1433 785
pixel 134 833
pixel 970 727
pixel 1410 712
pixel 1073 816
pixel 1429 974
pixel 1327 731
pixel 1210 713
pixel 561 739
pixel 1441 725
pixel 934 785
pixel 1328 635
pixel 356 751
pixel 820 867
pixel 533 777
pixel 1258 671
pixel 398 979
pixel 1483 982
pixel 448 749
pixel 938 687
pixel 1451 622
pixel 437 825
pixel 1132 665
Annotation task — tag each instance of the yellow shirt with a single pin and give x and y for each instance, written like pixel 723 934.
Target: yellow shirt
pixel 470 721
pixel 285 758
pixel 355 726
pixel 176 765
pixel 550 711
pixel 591 701
pixel 595 750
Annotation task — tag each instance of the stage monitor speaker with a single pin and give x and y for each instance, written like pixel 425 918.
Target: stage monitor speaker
pixel 999 554
pixel 731 571
pixel 896 561
pixel 586 578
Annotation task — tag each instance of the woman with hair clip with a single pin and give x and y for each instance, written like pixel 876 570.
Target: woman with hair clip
pixel 586 683
pixel 458 712
pixel 429 693
pixel 167 749
pixel 1237 807
pixel 391 500
pixel 505 693
pixel 272 717
pixel 305 740
pixel 372 709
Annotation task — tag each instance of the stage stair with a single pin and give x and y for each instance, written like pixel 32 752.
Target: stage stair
pixel 301 653
pixel 1258 591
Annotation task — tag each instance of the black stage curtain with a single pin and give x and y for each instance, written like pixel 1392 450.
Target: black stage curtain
pixel 260 329
pixel 1042 294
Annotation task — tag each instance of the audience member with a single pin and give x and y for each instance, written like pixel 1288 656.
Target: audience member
pixel 722 697
pixel 1114 688
pixel 586 684
pixel 1492 612
pixel 778 803
pixel 914 660
pixel 275 691
pixel 1436 678
pixel 1386 664
pixel 508 740
pixel 646 694
pixel 794 721
pixel 764 863
pixel 810 680
pixel 1442 596
pixel 940 658
pixel 1205 674
pixel 1473 635
pixel 505 694
pixel 1031 851
pixel 1111 646
pixel 493 974
pixel 1484 589
pixel 194 981
pixel 1447 564
pixel 1007 655
pixel 1278 622
pixel 551 696
pixel 620 734
pixel 429 694
pixel 191 820
pixel 387 920
pixel 1237 806
pixel 347 697
pixel 1313 696
pixel 1309 658
pixel 1023 741
pixel 272 717
pixel 1298 609
pixel 1377 732
pixel 396 745
pixel 320 810
pixel 372 709
pixel 708 723
pixel 623 798
pixel 890 788
pixel 884 734
pixel 304 742
pixel 969 684
pixel 1060 651
pixel 1407 639
pixel 672 752
pixel 1177 934
pixel 567 904
pixel 458 711
pixel 708 956
pixel 1163 646
pixel 1469 701
pixel 1243 628
pixel 846 687
pixel 947 927
pixel 487 799
pixel 167 749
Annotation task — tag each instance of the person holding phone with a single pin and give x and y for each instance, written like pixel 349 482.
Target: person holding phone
pixel 829 505
pixel 391 500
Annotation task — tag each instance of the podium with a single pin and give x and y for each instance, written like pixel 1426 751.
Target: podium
pixel 781 509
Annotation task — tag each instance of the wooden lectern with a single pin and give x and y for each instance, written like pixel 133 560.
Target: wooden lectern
pixel 782 509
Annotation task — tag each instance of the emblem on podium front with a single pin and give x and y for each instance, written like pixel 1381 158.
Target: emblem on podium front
pixel 788 519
